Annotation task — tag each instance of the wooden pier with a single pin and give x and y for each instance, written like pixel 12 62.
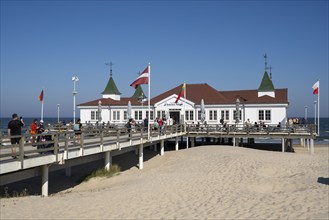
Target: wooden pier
pixel 61 151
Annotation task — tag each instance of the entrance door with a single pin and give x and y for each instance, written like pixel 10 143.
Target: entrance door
pixel 175 116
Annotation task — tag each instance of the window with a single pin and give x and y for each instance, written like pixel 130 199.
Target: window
pixel 94 115
pixel 239 115
pixel 199 115
pixel 125 115
pixel 268 115
pixel 138 115
pixel 225 115
pixel 116 115
pixel 212 115
pixel 147 115
pixel 160 114
pixel 264 115
pixel 189 115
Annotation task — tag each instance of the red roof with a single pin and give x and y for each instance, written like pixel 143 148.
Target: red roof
pixel 196 92
pixel 109 102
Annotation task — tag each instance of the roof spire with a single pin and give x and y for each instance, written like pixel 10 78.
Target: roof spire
pixel 265 57
pixel 110 64
pixel 270 72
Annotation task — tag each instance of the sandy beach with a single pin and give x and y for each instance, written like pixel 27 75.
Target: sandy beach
pixel 207 182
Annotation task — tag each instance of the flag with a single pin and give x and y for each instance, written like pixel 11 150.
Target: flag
pixel 142 79
pixel 41 96
pixel 181 93
pixel 315 88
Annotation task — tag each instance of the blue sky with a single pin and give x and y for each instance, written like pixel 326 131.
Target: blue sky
pixel 222 43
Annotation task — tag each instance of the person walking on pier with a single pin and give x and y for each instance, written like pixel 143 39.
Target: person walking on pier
pixel 129 124
pixel 15 129
pixel 34 128
pixel 77 130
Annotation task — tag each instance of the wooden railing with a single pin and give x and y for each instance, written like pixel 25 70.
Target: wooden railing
pixel 55 141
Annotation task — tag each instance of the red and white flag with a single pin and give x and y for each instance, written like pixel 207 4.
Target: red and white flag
pixel 142 79
pixel 41 96
pixel 182 91
pixel 315 88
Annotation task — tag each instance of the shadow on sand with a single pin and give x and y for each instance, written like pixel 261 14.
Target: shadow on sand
pixel 58 181
pixel 323 180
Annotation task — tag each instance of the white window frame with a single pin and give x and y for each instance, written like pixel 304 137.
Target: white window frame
pixel 213 115
pixel 116 115
pixel 266 115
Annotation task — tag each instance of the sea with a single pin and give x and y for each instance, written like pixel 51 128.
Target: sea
pixel 322 139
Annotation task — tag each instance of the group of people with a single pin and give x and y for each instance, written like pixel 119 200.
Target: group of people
pixel 15 130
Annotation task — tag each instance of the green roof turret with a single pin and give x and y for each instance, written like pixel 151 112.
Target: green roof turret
pixel 266 84
pixel 111 88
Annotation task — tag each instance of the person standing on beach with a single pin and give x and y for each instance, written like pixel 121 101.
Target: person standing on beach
pixel 15 129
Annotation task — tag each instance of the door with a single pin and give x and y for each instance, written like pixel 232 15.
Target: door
pixel 175 116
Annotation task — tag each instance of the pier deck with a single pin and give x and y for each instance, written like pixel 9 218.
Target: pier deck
pixel 64 152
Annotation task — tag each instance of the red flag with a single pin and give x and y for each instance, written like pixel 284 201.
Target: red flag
pixel 181 93
pixel 142 79
pixel 315 88
pixel 41 96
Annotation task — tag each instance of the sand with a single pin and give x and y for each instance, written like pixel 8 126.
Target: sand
pixel 208 182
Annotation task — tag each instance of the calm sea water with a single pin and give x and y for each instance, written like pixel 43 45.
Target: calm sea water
pixel 322 139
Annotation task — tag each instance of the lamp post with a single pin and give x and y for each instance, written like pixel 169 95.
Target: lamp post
pixel 306 112
pixel 58 113
pixel 74 79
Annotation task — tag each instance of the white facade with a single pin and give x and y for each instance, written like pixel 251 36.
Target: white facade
pixel 188 112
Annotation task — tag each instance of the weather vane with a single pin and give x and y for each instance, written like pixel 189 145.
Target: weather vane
pixel 110 64
pixel 271 72
pixel 265 56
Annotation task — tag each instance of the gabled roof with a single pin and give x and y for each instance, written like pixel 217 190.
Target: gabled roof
pixel 111 88
pixel 194 93
pixel 266 85
pixel 251 96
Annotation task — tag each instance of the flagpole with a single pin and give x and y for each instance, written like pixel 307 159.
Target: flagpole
pixel 149 103
pixel 319 108
pixel 42 104
pixel 42 110
pixel 183 104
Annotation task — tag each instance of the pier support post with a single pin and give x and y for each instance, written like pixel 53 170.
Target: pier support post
pixel 68 171
pixel 155 147
pixel 44 189
pixel 193 142
pixel 108 160
pixel 176 144
pixel 283 143
pixel 233 142
pixel 312 146
pixel 140 165
pixel 186 142
pixel 162 148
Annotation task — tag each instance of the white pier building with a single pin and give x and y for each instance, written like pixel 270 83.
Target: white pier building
pixel 265 104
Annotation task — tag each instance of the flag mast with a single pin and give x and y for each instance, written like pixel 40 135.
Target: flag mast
pixel 41 100
pixel 319 108
pixel 149 103
pixel 42 107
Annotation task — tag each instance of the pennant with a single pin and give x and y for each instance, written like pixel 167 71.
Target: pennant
pixel 41 96
pixel 142 79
